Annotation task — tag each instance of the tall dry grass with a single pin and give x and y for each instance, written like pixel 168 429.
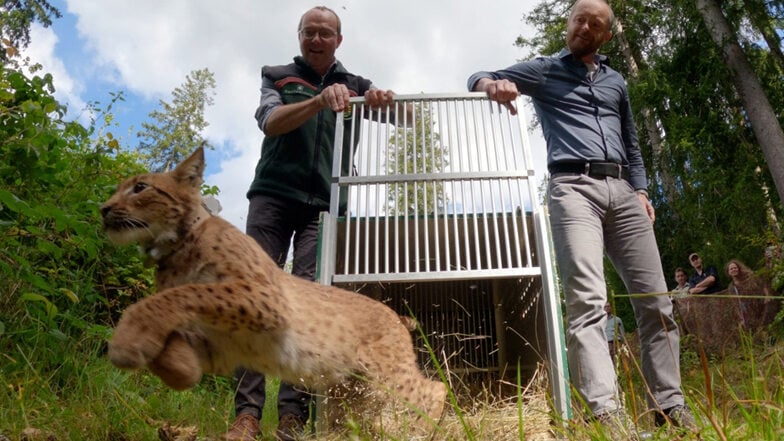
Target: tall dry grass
pixel 737 395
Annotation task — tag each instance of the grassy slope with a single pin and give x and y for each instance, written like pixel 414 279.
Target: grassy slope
pixel 88 399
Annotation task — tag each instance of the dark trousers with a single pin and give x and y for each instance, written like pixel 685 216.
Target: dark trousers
pixel 275 224
pixel 613 345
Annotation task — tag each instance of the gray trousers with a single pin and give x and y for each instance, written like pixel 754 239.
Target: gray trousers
pixel 589 218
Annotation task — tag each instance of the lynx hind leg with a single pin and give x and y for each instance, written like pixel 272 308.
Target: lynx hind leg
pixel 178 365
pixel 433 399
pixel 423 398
pixel 349 405
pixel 416 402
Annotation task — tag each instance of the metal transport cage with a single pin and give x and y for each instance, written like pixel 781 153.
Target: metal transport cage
pixel 436 212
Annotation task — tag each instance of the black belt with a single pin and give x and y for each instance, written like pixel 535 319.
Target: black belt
pixel 592 169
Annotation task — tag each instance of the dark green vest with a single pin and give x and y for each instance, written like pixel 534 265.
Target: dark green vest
pixel 298 165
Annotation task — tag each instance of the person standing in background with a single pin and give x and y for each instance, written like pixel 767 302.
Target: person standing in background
pixel 613 331
pixel 753 294
pixel 704 280
pixel 682 283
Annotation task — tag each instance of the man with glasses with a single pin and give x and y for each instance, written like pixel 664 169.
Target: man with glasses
pixel 702 280
pixel 598 204
pixel 291 186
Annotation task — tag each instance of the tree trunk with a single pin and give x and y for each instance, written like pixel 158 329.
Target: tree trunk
pixel 760 18
pixel 764 124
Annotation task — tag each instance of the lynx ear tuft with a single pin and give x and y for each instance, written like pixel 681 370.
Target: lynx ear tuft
pixel 191 169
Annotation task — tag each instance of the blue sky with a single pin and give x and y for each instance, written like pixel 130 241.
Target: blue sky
pixel 96 86
pixel 145 48
pixel 99 82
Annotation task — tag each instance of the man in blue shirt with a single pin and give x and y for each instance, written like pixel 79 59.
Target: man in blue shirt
pixel 598 203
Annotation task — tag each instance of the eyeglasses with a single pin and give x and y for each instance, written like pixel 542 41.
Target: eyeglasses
pixel 324 34
pixel 693 258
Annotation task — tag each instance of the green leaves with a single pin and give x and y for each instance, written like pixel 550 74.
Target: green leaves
pixel 16 18
pixel 176 130
pixel 710 183
pixel 9 201
pixel 48 307
pixel 59 277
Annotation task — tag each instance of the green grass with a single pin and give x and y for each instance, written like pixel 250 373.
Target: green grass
pixel 107 404
pixel 736 396
pixel 86 398
pixel 739 396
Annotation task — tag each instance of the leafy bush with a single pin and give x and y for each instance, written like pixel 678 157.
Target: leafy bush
pixel 60 279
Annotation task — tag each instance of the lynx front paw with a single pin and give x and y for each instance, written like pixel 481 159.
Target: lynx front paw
pixel 131 355
pixel 178 363
pixel 136 341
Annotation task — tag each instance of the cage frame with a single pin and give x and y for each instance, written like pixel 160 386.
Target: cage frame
pixel 538 223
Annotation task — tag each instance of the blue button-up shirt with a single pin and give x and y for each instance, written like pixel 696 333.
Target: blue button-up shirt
pixel 583 118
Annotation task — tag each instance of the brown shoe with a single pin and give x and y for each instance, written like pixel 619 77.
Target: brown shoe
pixel 244 428
pixel 290 428
pixel 619 426
pixel 679 416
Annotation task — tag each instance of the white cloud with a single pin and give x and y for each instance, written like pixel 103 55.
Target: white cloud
pixel 68 90
pixel 147 47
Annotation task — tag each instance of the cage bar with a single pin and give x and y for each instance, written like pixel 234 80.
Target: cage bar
pixel 444 221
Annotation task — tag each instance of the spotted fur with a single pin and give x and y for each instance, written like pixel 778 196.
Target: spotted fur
pixel 222 303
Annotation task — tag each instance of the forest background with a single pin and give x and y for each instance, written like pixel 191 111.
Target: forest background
pixel 706 84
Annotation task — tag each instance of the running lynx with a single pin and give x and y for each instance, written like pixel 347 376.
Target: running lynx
pixel 222 302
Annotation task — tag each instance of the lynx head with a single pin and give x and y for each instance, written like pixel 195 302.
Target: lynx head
pixel 156 210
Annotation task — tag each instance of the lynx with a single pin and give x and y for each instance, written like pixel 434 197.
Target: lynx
pixel 221 302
